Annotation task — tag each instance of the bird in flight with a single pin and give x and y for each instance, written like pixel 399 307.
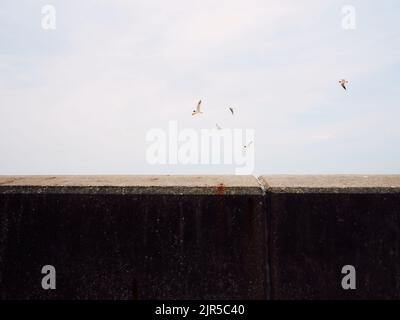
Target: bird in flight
pixel 343 83
pixel 248 145
pixel 198 110
pixel 231 111
pixel 218 127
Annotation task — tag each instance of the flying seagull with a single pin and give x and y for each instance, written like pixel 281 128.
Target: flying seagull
pixel 344 82
pixel 231 111
pixel 197 111
pixel 248 145
pixel 218 127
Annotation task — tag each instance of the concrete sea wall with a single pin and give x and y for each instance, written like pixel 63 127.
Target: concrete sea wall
pixel 199 237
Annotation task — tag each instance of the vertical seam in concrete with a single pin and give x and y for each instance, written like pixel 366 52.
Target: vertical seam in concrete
pixel 267 267
pixel 260 182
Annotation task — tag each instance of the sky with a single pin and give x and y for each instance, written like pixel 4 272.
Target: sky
pixel 81 98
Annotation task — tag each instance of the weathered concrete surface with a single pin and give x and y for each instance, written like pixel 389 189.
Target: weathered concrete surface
pixel 318 224
pixel 174 185
pixel 200 237
pixel 133 237
pixel 332 183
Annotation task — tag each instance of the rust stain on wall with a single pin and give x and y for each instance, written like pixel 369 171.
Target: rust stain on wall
pixel 221 189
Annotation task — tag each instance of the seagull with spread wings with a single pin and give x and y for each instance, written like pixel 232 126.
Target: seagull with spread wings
pixel 198 110
pixel 343 83
pixel 248 145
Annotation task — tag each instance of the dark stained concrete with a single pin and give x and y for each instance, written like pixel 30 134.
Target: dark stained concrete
pixel 200 237
pixel 180 238
pixel 318 224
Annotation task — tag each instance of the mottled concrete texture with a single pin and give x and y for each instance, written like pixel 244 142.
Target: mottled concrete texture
pixel 318 224
pixel 200 237
pixel 178 238
pixel 174 185
pixel 332 183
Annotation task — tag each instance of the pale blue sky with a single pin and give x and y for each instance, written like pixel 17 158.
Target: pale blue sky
pixel 80 99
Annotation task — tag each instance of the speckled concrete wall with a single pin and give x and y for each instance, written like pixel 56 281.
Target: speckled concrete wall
pixel 319 224
pixel 205 241
pixel 217 237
